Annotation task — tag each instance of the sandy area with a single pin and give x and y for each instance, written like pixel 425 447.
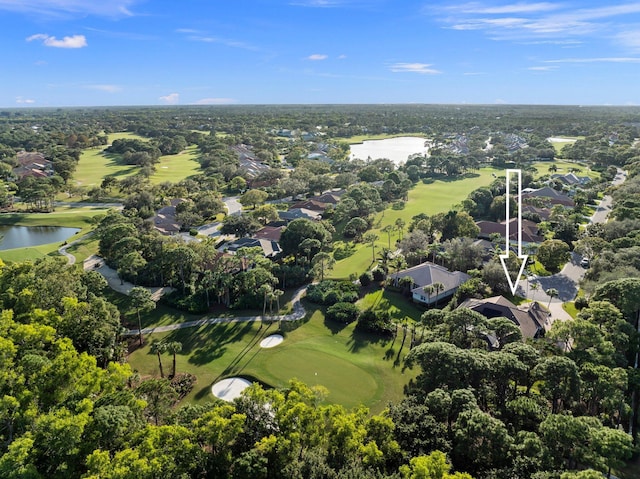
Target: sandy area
pixel 271 341
pixel 230 388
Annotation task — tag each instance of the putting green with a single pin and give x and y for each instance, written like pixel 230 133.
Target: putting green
pixel 347 383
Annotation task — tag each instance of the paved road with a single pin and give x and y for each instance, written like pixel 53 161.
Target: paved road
pixel 233 205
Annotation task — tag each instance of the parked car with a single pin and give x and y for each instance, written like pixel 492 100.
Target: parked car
pixel 585 263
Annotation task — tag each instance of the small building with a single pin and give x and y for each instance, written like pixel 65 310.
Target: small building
pixel 530 318
pixel 428 274
pixel 270 248
pixel 296 213
pixel 571 179
pixel 31 163
pixel 529 230
pixel 165 219
pixel 549 195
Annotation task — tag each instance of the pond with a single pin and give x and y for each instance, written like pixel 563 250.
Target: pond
pixel 394 149
pixel 23 236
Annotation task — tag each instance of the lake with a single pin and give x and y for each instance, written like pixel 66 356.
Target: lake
pixel 394 149
pixel 23 236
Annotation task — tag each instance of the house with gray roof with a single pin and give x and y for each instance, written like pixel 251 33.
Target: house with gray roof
pixel 530 318
pixel 427 274
pixel 269 248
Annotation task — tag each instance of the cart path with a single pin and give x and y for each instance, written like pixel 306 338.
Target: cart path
pixel 298 313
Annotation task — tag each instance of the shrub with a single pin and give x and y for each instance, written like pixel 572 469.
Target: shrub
pixel 376 322
pixel 331 292
pixel 343 312
pixel 581 302
pixel 366 278
pixel 182 384
pixel 379 274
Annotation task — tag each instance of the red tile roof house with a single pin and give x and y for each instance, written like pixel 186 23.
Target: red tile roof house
pixel 427 274
pixel 32 163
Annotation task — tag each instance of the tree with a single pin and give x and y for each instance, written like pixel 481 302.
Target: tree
pixel 322 262
pixel 437 288
pixel 388 229
pixel 553 254
pixel 173 347
pixel 552 293
pixel 159 396
pixel 142 302
pixel 158 348
pixel 239 225
pixel 299 230
pixel 253 198
pixel 400 224
pixel 371 238
pixel 433 466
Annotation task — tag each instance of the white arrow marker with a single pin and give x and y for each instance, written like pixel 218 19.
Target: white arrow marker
pixel 522 257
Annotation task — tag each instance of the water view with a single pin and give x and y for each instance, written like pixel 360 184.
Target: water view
pixel 394 149
pixel 23 236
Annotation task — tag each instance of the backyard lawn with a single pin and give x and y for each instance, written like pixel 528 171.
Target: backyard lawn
pixel 356 368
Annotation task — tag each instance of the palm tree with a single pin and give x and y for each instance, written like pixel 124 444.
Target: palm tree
pixel 174 347
pixel 388 229
pixel 400 224
pixel 535 287
pixel 428 289
pixel 437 287
pixel 552 293
pixel 159 348
pixel 371 238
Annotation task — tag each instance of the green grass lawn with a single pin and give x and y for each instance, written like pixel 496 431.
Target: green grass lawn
pixel 399 306
pixel 174 168
pixel 564 167
pixel 437 197
pixel 356 368
pixel 94 164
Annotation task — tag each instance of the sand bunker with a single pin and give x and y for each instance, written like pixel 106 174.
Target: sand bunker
pixel 230 388
pixel 271 341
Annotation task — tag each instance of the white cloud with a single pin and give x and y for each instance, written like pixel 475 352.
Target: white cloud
pixel 61 8
pixel 215 101
pixel 597 60
pixel 317 57
pixel 20 100
pixel 74 41
pixel 341 57
pixel 629 39
pixel 542 69
pixel 423 68
pixel 170 99
pixel 105 88
pixel 535 21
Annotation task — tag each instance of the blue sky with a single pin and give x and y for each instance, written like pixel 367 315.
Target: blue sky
pixel 156 52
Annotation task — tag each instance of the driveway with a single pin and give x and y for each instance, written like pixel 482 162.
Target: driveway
pixel 233 205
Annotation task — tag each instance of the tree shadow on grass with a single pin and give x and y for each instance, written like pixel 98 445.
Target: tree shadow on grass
pixel 334 326
pixel 236 366
pixel 361 339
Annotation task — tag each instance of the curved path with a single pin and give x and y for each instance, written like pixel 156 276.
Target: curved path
pixel 63 249
pixel 298 313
